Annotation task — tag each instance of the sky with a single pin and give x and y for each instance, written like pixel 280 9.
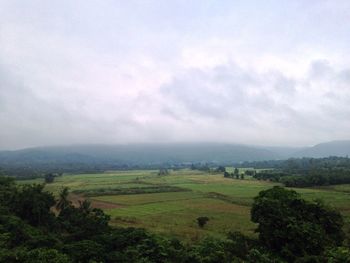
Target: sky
pixel 250 72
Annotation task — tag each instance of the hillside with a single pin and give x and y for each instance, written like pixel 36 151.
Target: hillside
pixel 334 148
pixel 138 154
pixel 102 157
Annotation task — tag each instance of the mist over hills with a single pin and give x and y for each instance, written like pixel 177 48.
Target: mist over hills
pixel 334 148
pixel 139 154
pixel 153 154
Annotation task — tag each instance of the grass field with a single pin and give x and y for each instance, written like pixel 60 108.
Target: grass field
pixel 225 201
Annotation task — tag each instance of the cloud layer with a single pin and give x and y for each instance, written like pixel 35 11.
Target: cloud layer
pixel 276 73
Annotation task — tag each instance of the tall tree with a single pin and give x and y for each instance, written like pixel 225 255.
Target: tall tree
pixel 202 221
pixel 63 201
pixel 49 178
pixel 33 204
pixel 293 227
pixel 236 173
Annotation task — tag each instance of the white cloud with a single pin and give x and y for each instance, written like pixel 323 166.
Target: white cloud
pixel 114 72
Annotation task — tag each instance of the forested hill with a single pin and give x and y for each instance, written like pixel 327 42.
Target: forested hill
pixel 169 153
pixel 79 158
pixel 334 148
pixel 139 154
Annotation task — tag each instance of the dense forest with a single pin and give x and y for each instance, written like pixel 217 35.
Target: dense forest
pixel 36 227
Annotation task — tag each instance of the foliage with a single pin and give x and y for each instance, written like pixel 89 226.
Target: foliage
pixel 250 172
pixel 83 221
pixel 235 174
pixel 163 172
pixel 330 176
pixel 227 174
pixel 238 244
pixel 202 221
pixel 292 227
pixel 44 255
pixel 338 255
pixel 32 203
pixel 304 172
pixel 63 202
pixel 210 251
pixel 49 178
pixel 221 169
pixel 200 167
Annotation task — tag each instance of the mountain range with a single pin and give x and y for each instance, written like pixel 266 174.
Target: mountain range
pixel 152 154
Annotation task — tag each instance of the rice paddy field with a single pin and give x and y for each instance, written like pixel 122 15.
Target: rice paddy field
pixel 169 204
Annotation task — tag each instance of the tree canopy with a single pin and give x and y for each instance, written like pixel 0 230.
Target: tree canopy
pixel 293 227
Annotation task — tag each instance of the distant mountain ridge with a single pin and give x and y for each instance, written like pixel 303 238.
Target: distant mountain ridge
pixel 333 148
pixel 139 153
pixel 146 154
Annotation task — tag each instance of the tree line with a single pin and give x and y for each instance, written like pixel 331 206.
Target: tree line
pixel 305 172
pixel 298 164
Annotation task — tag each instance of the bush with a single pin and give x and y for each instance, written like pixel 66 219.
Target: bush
pixel 202 220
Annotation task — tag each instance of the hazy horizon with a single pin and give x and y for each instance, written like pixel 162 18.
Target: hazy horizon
pixel 272 73
pixel 179 143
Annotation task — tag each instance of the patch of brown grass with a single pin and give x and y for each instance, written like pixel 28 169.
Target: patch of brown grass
pixel 76 199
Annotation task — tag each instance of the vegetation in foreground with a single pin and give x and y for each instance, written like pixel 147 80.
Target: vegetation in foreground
pixel 290 229
pixel 170 205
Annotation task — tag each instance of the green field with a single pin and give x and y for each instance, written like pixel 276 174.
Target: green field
pixel 183 196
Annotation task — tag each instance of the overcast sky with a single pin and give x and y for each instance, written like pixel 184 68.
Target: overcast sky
pixel 253 72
